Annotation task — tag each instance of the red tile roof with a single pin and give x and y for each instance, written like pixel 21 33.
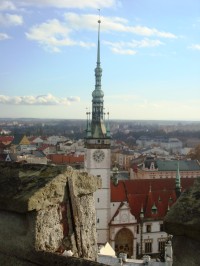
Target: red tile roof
pixel 6 139
pixel 146 193
pixel 64 159
pixel 45 146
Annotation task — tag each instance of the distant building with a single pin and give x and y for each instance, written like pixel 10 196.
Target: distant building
pixel 20 143
pixel 170 144
pixel 47 149
pixel 35 157
pixel 38 141
pixel 154 168
pixel 74 160
pixel 124 158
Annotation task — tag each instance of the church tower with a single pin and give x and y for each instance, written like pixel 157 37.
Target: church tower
pixel 97 155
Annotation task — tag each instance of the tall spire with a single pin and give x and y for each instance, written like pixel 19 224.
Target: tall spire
pixel 98 128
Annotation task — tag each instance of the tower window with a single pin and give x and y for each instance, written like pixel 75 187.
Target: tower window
pixel 98 199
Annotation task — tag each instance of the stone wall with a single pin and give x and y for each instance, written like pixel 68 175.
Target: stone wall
pixel 183 222
pixel 46 211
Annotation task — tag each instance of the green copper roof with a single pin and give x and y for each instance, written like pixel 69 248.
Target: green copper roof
pixel 192 165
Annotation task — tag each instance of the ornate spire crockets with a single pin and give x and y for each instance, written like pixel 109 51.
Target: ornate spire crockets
pixel 97 128
pixel 98 69
pixel 178 182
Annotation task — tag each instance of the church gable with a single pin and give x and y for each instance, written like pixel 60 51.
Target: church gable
pixel 24 141
pixel 123 215
pixel 20 139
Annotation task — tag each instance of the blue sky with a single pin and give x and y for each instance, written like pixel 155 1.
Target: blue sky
pixel 150 55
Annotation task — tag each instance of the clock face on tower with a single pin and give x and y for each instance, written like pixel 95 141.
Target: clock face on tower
pixel 98 156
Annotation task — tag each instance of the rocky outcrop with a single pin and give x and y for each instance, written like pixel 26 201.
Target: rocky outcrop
pixel 46 210
pixel 183 222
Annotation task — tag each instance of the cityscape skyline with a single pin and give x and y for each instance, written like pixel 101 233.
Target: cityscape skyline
pixel 149 55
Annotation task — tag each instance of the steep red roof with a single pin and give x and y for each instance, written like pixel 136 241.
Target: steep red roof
pixel 6 139
pixel 147 193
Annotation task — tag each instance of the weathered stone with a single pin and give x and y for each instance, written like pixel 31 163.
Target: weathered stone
pixel 186 251
pixel 46 259
pixel 30 187
pixel 184 217
pixel 49 231
pixel 183 222
pixel 45 208
pixel 84 183
pixel 82 211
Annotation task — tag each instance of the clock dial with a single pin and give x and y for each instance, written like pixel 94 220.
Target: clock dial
pixel 98 156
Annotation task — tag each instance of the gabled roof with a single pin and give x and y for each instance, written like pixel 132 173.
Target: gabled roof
pixel 20 139
pixel 146 193
pixel 35 140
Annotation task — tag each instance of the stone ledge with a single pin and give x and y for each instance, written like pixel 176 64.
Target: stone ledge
pixel 30 187
pixel 46 259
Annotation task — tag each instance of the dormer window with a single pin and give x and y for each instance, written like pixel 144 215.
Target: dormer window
pixel 152 166
pixel 170 199
pixel 154 209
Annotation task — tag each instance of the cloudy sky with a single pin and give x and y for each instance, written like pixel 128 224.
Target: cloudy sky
pixel 150 55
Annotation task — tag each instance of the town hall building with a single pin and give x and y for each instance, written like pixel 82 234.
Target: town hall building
pixel 129 213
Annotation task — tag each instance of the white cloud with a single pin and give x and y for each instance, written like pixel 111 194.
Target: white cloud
pixel 123 51
pixel 10 20
pixel 145 43
pixel 69 3
pixel 48 99
pixel 195 47
pixel 53 34
pixel 145 31
pixel 89 21
pixel 6 5
pixel 123 47
pixel 4 36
